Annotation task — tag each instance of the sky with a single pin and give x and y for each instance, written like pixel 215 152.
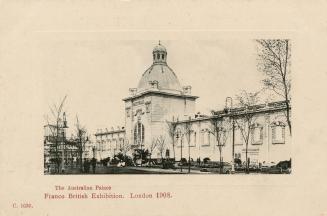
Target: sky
pixel 96 74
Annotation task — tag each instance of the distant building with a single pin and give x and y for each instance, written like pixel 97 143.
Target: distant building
pixel 109 143
pixel 58 146
pixel 159 99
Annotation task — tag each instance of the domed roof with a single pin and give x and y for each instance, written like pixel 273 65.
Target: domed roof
pixel 159 48
pixel 163 74
pixel 159 73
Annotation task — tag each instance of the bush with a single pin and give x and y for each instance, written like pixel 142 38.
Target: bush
pixel 105 161
pixel 129 161
pixel 183 162
pixel 168 164
pixel 237 161
pixel 122 158
pixel 141 153
pixel 206 160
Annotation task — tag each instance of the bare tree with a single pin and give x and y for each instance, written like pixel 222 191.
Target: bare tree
pixel 219 129
pixel 125 147
pixel 57 130
pixel 172 132
pixel 246 118
pixel 187 130
pixel 161 145
pixel 81 140
pixel 153 146
pixel 274 62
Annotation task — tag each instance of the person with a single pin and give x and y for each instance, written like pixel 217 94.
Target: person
pixel 198 161
pixel 86 166
pixel 93 163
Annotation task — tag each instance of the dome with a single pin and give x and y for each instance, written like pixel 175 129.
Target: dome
pixel 159 48
pixel 159 73
pixel 163 74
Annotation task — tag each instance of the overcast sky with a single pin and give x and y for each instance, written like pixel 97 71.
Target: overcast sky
pixel 96 74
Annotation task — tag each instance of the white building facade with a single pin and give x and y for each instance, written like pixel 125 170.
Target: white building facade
pixel 160 102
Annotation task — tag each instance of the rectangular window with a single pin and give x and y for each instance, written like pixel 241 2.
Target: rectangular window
pixel 179 140
pixel 147 107
pixel 128 114
pixel 202 138
pixel 238 137
pixel 193 139
pixel 278 134
pixel 206 139
pixel 257 135
pixel 273 133
pixel 167 153
pixel 222 138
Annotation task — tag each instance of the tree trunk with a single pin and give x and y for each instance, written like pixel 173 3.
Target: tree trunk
pixel 220 161
pixel 174 149
pixel 288 117
pixel 246 157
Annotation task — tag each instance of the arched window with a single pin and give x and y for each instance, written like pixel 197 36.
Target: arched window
pixel 158 56
pixel 162 56
pixel 139 133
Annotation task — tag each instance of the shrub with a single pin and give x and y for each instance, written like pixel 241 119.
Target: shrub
pixel 105 161
pixel 168 164
pixel 141 153
pixel 206 160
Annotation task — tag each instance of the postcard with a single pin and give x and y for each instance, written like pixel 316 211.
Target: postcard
pixel 162 108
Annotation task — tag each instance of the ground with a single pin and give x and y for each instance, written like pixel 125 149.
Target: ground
pixel 134 170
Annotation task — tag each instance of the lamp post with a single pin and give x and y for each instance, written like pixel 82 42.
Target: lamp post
pixel 178 135
pixel 63 151
pixel 141 154
pixel 182 137
pixel 233 132
pixel 93 150
pixel 188 131
pixel 189 153
pixel 64 127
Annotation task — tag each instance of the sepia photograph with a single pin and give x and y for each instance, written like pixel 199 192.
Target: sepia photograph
pixel 242 126
pixel 162 108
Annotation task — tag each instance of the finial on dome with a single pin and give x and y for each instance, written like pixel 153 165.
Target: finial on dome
pixel 159 53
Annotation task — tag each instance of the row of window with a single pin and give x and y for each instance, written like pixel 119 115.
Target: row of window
pixel 158 56
pixel 256 137
pixel 107 139
pixel 277 135
pixel 102 146
pixel 206 138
